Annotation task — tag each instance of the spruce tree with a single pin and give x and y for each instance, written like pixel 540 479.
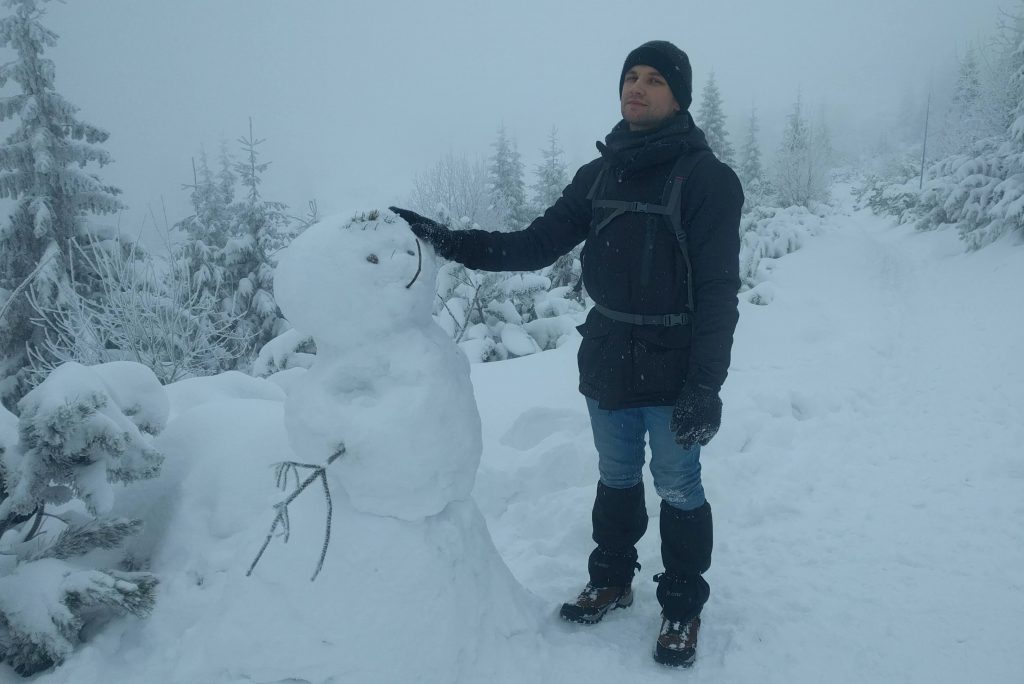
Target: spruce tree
pixel 552 175
pixel 43 169
pixel 963 117
pixel 801 166
pixel 508 189
pixel 249 257
pixel 711 119
pixel 230 251
pixel 750 169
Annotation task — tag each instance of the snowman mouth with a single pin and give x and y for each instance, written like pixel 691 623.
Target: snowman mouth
pixel 419 264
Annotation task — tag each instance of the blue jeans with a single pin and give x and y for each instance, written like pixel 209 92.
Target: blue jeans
pixel 619 437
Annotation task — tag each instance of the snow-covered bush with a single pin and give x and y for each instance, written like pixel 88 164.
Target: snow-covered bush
pixel 978 183
pixel 80 431
pixel 290 349
pixel 982 193
pixel 144 311
pixel 768 233
pixel 495 316
pixel 893 190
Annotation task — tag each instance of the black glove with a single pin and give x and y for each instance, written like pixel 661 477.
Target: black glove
pixel 697 415
pixel 436 235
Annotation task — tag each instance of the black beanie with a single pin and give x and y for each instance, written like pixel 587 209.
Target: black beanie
pixel 670 61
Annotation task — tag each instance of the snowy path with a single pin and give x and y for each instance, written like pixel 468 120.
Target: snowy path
pixel 868 483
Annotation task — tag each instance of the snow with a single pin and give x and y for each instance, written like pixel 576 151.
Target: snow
pixel 867 486
pixel 137 393
pixel 193 392
pixel 281 354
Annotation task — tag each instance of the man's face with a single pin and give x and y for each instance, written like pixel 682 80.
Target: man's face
pixel 647 101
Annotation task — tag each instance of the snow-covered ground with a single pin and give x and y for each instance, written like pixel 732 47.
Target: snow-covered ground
pixel 867 485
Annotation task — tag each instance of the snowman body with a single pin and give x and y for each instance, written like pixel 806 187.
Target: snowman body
pixel 388 386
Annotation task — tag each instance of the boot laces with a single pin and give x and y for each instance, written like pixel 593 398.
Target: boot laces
pixel 679 627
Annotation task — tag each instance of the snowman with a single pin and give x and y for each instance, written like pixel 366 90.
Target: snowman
pixel 388 385
pixel 424 592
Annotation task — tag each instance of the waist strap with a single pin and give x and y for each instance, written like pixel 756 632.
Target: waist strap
pixel 644 319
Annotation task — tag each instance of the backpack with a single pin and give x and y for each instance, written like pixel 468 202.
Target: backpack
pixel 671 210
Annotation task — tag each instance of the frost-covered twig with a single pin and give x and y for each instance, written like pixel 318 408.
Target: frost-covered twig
pixel 281 518
pixel 458 326
pixel 25 283
pixel 165 321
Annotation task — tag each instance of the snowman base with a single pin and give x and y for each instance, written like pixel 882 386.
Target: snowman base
pixel 430 598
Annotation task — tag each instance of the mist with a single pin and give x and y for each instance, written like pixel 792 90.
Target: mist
pixel 355 98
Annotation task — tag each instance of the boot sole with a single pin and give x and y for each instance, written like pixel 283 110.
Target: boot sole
pixel 671 658
pixel 572 613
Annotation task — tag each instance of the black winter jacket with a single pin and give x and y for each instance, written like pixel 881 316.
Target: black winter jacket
pixel 635 265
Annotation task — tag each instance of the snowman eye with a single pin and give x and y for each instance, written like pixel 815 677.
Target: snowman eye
pixel 410 252
pixel 373 259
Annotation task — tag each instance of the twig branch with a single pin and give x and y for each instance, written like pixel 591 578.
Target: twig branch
pixel 282 518
pixel 28 281
pixel 419 264
pixel 40 512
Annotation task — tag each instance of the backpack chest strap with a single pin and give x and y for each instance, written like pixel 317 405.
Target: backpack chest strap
pixel 621 208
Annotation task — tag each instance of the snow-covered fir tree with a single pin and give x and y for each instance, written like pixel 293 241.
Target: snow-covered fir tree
pixel 750 168
pixel 260 231
pixel 552 174
pixel 801 168
pixel 823 153
pixel 43 168
pixel 208 228
pixel 711 119
pixel 963 116
pixel 79 432
pixel 508 188
pixel 230 253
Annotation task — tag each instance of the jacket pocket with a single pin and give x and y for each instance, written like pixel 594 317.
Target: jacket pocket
pixel 599 357
pixel 660 357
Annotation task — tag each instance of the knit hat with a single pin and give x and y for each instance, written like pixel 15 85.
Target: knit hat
pixel 670 61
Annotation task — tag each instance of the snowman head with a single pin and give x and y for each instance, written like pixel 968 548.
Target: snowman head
pixel 349 281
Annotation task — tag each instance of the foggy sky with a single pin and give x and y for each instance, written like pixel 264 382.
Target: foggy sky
pixel 356 97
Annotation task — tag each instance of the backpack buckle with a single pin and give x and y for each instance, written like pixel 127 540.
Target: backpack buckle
pixel 640 207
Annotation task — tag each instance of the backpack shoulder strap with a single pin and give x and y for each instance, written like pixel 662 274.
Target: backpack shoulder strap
pixel 681 172
pixel 597 182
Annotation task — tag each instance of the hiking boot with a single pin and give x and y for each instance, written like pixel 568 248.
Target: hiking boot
pixel 593 602
pixel 677 642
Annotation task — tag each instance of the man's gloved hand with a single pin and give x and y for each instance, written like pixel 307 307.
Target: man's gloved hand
pixel 439 237
pixel 697 415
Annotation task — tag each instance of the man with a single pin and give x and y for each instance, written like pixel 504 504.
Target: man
pixel 659 215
